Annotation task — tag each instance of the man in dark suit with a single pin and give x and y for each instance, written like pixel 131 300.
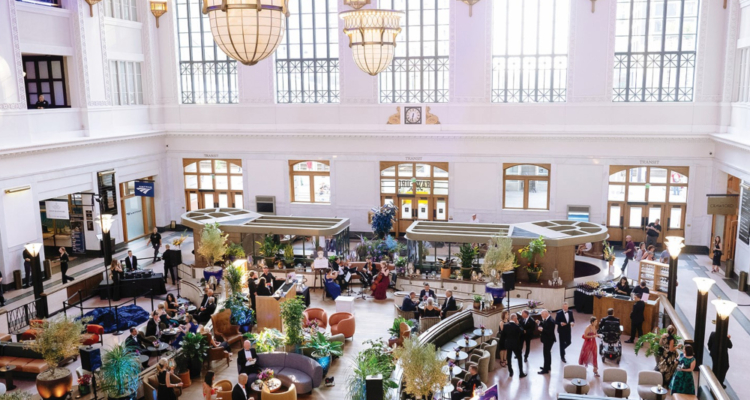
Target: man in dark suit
pixel 26 268
pixel 609 318
pixel 239 391
pixel 152 328
pixel 427 292
pixel 512 336
pixel 466 386
pixel 205 315
pixel 170 265
pixel 713 349
pixel 564 322
pixel 131 261
pixel 133 341
pixel 269 278
pixel 247 359
pixel 529 327
pixel 547 327
pixel 449 305
pixel 636 318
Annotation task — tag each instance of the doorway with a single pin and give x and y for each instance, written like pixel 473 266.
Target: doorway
pixel 725 226
pixel 419 190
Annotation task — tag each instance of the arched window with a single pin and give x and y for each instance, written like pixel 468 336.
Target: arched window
pixel 311 181
pixel 526 186
pixel 530 50
pixel 420 69
pixel 213 183
pixel 307 61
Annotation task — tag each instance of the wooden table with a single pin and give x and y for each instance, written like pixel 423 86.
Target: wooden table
pixel 622 311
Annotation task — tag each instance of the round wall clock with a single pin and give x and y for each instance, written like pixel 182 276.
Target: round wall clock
pixel 413 115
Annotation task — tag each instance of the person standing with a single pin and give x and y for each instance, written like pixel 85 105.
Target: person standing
pixel 629 252
pixel 547 327
pixel 589 350
pixel 2 297
pixel 270 279
pixel 502 351
pixel 64 259
pixel 170 265
pixel 529 326
pixel 155 241
pixel 652 233
pixel 131 261
pixel 116 271
pixel 512 336
pixel 41 103
pixel 682 380
pixel 713 349
pixel 166 388
pixel 27 268
pixel 564 322
pixel 668 348
pixel 239 392
pixel 636 318
pixel 641 289
pixel 208 386
pixel 717 254
pixel 252 288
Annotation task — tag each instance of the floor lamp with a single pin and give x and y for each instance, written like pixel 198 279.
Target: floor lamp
pixel 37 280
pixel 704 285
pixel 724 309
pixel 674 246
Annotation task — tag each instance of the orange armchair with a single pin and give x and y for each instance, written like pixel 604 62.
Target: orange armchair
pixel 342 323
pixel 222 327
pixel 94 334
pixel 316 314
pixel 30 334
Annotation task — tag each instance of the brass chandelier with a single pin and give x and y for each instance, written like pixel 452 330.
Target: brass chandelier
pixel 372 35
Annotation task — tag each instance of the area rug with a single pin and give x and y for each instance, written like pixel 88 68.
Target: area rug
pixel 127 317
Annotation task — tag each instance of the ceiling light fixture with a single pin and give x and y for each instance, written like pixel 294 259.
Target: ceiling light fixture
pixel 372 35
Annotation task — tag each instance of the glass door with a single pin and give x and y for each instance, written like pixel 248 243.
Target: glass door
pixel 635 219
pixel 405 213
pixel 675 225
pixel 423 210
pixel 615 222
pixel 440 210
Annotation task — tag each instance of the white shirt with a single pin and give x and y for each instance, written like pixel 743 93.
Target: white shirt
pixel 248 356
pixel 567 317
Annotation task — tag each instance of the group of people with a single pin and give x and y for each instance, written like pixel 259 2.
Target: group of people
pixel 430 305
pixel 339 273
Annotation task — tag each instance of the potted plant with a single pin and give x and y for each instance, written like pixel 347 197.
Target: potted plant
pixel 233 276
pixel 445 267
pixel 466 253
pixel 609 253
pixel 324 350
pixel 395 328
pixel 535 248
pixel 374 360
pixel 178 242
pixel 213 244
pixel 242 315
pixel 651 341
pixel 269 249
pixel 17 395
pixel 57 339
pixel 84 384
pixel 382 220
pixel 120 372
pixel 195 348
pixel 235 251
pixel 291 317
pixel 422 368
pixel 477 301
pixel 267 341
pixel 182 369
pixel 399 261
pixel 289 255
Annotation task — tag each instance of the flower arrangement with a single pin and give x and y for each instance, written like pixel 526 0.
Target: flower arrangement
pixel 481 327
pixel 266 375
pixel 177 242
pixel 532 304
pixel 466 338
pixel 84 380
pixel 312 325
pixel 382 219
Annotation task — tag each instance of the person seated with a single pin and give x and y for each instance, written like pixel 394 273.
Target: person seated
pixel 623 287
pixel 610 318
pixel 664 256
pixel 170 305
pixel 133 341
pixel 247 359
pixel 430 309
pixel 208 293
pixel 410 303
pixel 152 327
pixel 190 326
pixel 465 387
pixel 164 320
pixel 427 292
pixel 381 289
pixel 216 344
pixel 204 316
pixel 263 289
pixel 583 248
pixel 649 256
pixel 449 305
pixel 641 289
pixel 332 288
pixel 367 272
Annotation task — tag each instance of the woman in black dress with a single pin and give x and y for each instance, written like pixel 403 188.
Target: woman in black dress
pixel 262 288
pixel 171 305
pixel 252 287
pixel 623 287
pixel 166 388
pixel 717 254
pixel 64 266
pixel 117 275
pixel 430 309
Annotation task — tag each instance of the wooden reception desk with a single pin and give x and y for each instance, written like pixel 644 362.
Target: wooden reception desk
pixel 268 308
pixel 623 308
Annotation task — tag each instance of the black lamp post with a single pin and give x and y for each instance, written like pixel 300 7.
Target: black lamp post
pixel 105 221
pixel 704 285
pixel 37 280
pixel 724 309
pixel 674 246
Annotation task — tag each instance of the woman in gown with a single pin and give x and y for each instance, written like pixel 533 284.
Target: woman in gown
pixel 667 364
pixel 190 326
pixel 682 380
pixel 166 388
pixel 502 352
pixel 380 292
pixel 333 288
pixel 717 255
pixel 208 386
pixel 588 350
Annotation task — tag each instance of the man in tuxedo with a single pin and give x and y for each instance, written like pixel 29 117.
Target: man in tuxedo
pixel 170 265
pixel 636 318
pixel 609 318
pixel 564 321
pixel 529 326
pixel 427 292
pixel 512 335
pixel 205 314
pixel 411 304
pixel 132 341
pixel 466 386
pixel 131 261
pixel 152 328
pixel 204 302
pixel 713 349
pixel 547 327
pixel 247 359
pixel 269 278
pixel 449 305
pixel 239 391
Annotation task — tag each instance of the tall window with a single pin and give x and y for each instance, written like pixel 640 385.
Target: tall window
pixel 213 183
pixel 307 61
pixel 420 67
pixel 530 50
pixel 655 50
pixel 127 88
pixel 121 9
pixel 742 88
pixel 526 186
pixel 311 181
pixel 45 75
pixel 207 75
pixel 53 3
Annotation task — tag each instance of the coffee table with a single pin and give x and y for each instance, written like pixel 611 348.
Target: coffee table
pixel 447 390
pixel 451 355
pixel 144 360
pixel 168 335
pixel 579 384
pixel 273 385
pixel 453 371
pixel 8 372
pixel 659 392
pixel 619 388
pixel 467 344
pixel 483 333
pixel 162 346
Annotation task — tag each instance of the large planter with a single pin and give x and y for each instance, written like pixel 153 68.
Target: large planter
pixel 51 387
pixel 195 368
pixel 466 273
pixel 84 390
pixel 445 273
pixel 185 378
pixel 324 362
pixel 534 276
pixel 497 292
pixel 246 328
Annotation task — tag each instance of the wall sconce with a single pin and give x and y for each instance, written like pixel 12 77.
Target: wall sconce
pixel 470 3
pixel 158 8
pixel 91 4
pixel 17 189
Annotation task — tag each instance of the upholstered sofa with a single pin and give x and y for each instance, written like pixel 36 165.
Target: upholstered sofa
pixel 290 368
pixel 26 361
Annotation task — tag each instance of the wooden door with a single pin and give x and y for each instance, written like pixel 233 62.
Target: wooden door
pixel 635 219
pixel 675 221
pixel 193 200
pixel 616 222
pixel 440 208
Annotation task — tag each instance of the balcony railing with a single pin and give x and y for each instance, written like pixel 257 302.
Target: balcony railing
pixel 49 3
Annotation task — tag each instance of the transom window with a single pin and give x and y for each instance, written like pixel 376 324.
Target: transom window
pixel 311 181
pixel 419 71
pixel 213 183
pixel 207 75
pixel 526 186
pixel 655 44
pixel 530 50
pixel 307 61
pixel 121 9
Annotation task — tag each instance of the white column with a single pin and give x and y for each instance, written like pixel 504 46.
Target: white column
pixel 13 95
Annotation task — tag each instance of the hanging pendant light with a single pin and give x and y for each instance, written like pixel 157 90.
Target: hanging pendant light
pixel 247 30
pixel 372 35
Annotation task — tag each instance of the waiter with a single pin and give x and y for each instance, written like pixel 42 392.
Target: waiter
pixel 169 265
pixel 155 241
pixel 269 278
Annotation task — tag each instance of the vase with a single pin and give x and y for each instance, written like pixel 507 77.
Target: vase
pixel 324 362
pixel 50 386
pixel 84 390
pixel 476 305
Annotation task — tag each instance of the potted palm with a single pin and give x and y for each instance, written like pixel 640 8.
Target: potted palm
pixel 467 253
pixel 291 317
pixel 324 350
pixel 422 368
pixel 233 276
pixel 213 244
pixel 57 339
pixel 120 372
pixel 289 255
pixel 269 249
pixel 195 348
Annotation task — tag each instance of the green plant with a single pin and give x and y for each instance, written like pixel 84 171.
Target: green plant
pixel 17 395
pixel 466 253
pixel 194 346
pixel 395 328
pixel 213 243
pixel 422 368
pixel 241 314
pixel 235 250
pixel 477 298
pixel 120 371
pixel 267 341
pixel 400 261
pixel 291 316
pixel 322 347
pixel 651 341
pixel 499 257
pixel 269 247
pixel 609 251
pixel 57 339
pixel 233 276
pixel 374 360
pixel 289 254
pixel 535 248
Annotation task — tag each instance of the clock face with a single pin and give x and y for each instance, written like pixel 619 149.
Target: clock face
pixel 413 115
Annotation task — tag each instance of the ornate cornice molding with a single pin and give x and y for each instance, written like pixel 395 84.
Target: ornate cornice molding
pixel 26 150
pixel 17 61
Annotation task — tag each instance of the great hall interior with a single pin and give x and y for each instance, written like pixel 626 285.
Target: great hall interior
pixel 374 199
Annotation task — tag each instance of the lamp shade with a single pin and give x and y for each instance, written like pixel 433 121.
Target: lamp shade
pixel 106 222
pixel 724 307
pixel 704 284
pixel 372 37
pixel 33 248
pixel 158 8
pixel 247 30
pixel 356 4
pixel 674 245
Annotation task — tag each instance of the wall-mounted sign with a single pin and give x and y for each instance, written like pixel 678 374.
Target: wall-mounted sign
pixel 57 209
pixel 144 189
pixel 745 213
pixel 210 155
pixel 723 205
pixel 413 158
pixel 649 162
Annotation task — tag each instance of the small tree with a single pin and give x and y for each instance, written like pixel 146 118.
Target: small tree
pixel 120 369
pixel 499 257
pixel 422 367
pixel 57 339
pixel 213 243
pixel 291 316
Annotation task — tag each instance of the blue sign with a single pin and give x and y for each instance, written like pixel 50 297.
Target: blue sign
pixel 145 189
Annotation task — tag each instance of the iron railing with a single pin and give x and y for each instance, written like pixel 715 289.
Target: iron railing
pixel 20 317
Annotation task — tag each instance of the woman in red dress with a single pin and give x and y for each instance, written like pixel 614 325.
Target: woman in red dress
pixel 382 286
pixel 588 350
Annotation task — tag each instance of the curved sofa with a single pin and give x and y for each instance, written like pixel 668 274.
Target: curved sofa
pixel 290 368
